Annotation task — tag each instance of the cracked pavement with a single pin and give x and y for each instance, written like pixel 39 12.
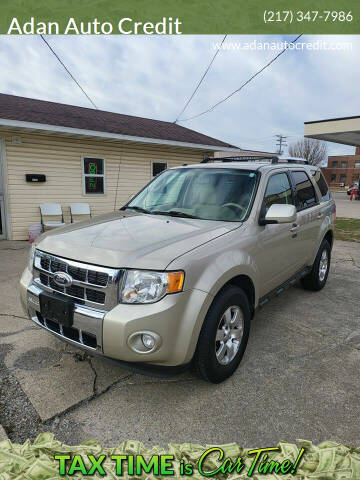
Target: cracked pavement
pixel 299 377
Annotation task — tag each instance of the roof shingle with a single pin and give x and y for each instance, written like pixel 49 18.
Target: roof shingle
pixel 59 114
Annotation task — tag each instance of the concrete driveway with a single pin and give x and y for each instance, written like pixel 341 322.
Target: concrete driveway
pixel 345 207
pixel 299 377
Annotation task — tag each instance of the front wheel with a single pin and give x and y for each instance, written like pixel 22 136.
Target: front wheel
pixel 317 277
pixel 224 335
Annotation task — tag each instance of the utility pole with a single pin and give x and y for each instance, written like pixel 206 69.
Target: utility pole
pixel 281 141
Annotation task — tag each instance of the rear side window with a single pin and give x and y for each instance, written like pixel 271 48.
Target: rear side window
pixel 305 196
pixel 322 185
pixel 278 190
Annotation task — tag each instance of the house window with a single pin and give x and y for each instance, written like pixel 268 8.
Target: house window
pixel 357 165
pixel 333 178
pixel 93 176
pixel 158 167
pixel 342 178
pixel 343 164
pixel 334 164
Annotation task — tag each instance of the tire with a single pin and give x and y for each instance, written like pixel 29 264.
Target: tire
pixel 317 277
pixel 230 306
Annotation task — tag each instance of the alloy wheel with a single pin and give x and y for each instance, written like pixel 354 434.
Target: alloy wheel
pixel 229 335
pixel 323 265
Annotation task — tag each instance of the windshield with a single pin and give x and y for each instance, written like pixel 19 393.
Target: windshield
pixel 210 194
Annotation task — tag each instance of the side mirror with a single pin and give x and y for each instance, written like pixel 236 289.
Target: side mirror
pixel 279 213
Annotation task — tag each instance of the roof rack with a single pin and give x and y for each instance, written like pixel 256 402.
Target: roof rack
pixel 240 159
pixel 270 159
pixel 301 161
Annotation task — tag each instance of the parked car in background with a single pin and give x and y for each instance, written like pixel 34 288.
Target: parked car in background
pixel 175 277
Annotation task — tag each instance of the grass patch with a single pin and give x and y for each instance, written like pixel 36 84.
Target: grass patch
pixel 347 229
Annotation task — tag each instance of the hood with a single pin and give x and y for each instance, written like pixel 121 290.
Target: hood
pixel 127 239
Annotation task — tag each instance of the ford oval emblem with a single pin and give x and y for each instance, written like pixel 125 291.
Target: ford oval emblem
pixel 62 279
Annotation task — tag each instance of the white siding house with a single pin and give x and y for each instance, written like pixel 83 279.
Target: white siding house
pixel 57 148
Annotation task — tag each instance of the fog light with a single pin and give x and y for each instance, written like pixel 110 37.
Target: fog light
pixel 148 341
pixel 144 342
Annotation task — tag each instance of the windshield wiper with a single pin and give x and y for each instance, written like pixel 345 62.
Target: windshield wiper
pixel 137 209
pixel 173 213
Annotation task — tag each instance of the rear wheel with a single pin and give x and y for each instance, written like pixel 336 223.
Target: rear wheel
pixel 224 335
pixel 317 277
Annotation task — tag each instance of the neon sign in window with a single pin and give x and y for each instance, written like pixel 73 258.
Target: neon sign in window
pixel 93 170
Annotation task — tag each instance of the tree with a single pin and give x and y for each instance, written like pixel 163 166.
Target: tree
pixel 314 151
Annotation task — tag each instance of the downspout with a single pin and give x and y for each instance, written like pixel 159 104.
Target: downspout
pixel 3 166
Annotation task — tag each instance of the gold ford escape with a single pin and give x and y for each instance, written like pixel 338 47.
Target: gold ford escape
pixel 177 274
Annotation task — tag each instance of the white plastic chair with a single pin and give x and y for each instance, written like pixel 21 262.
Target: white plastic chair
pixel 52 210
pixel 80 210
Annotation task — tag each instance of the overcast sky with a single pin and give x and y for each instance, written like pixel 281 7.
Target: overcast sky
pixel 154 76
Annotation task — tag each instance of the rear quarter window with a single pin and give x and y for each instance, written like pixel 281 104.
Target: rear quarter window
pixel 322 185
pixel 305 196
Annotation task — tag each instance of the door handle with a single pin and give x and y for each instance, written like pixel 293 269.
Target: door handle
pixel 294 228
pixel 319 215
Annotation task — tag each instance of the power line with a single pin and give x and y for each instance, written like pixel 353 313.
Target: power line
pixel 200 81
pixel 245 83
pixel 68 71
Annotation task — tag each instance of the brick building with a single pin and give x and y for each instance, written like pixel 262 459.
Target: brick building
pixel 343 169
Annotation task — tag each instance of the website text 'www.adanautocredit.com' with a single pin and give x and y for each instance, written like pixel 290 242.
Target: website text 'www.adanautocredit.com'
pixel 318 45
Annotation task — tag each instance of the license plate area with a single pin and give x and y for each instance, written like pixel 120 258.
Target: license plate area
pixel 58 309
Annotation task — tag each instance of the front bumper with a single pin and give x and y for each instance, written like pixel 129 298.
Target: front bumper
pixel 176 319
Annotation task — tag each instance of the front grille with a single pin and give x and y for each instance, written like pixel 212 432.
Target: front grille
pixel 77 273
pixel 80 336
pixel 97 278
pixel 45 263
pixel 44 279
pixel 56 266
pixel 76 291
pixel 95 296
pixel 80 274
pixel 91 285
pixel 55 286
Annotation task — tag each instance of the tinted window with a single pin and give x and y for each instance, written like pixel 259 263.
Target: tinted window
pixel 322 185
pixel 305 196
pixel 278 190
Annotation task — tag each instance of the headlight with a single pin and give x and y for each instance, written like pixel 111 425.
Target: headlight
pixel 141 286
pixel 31 257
